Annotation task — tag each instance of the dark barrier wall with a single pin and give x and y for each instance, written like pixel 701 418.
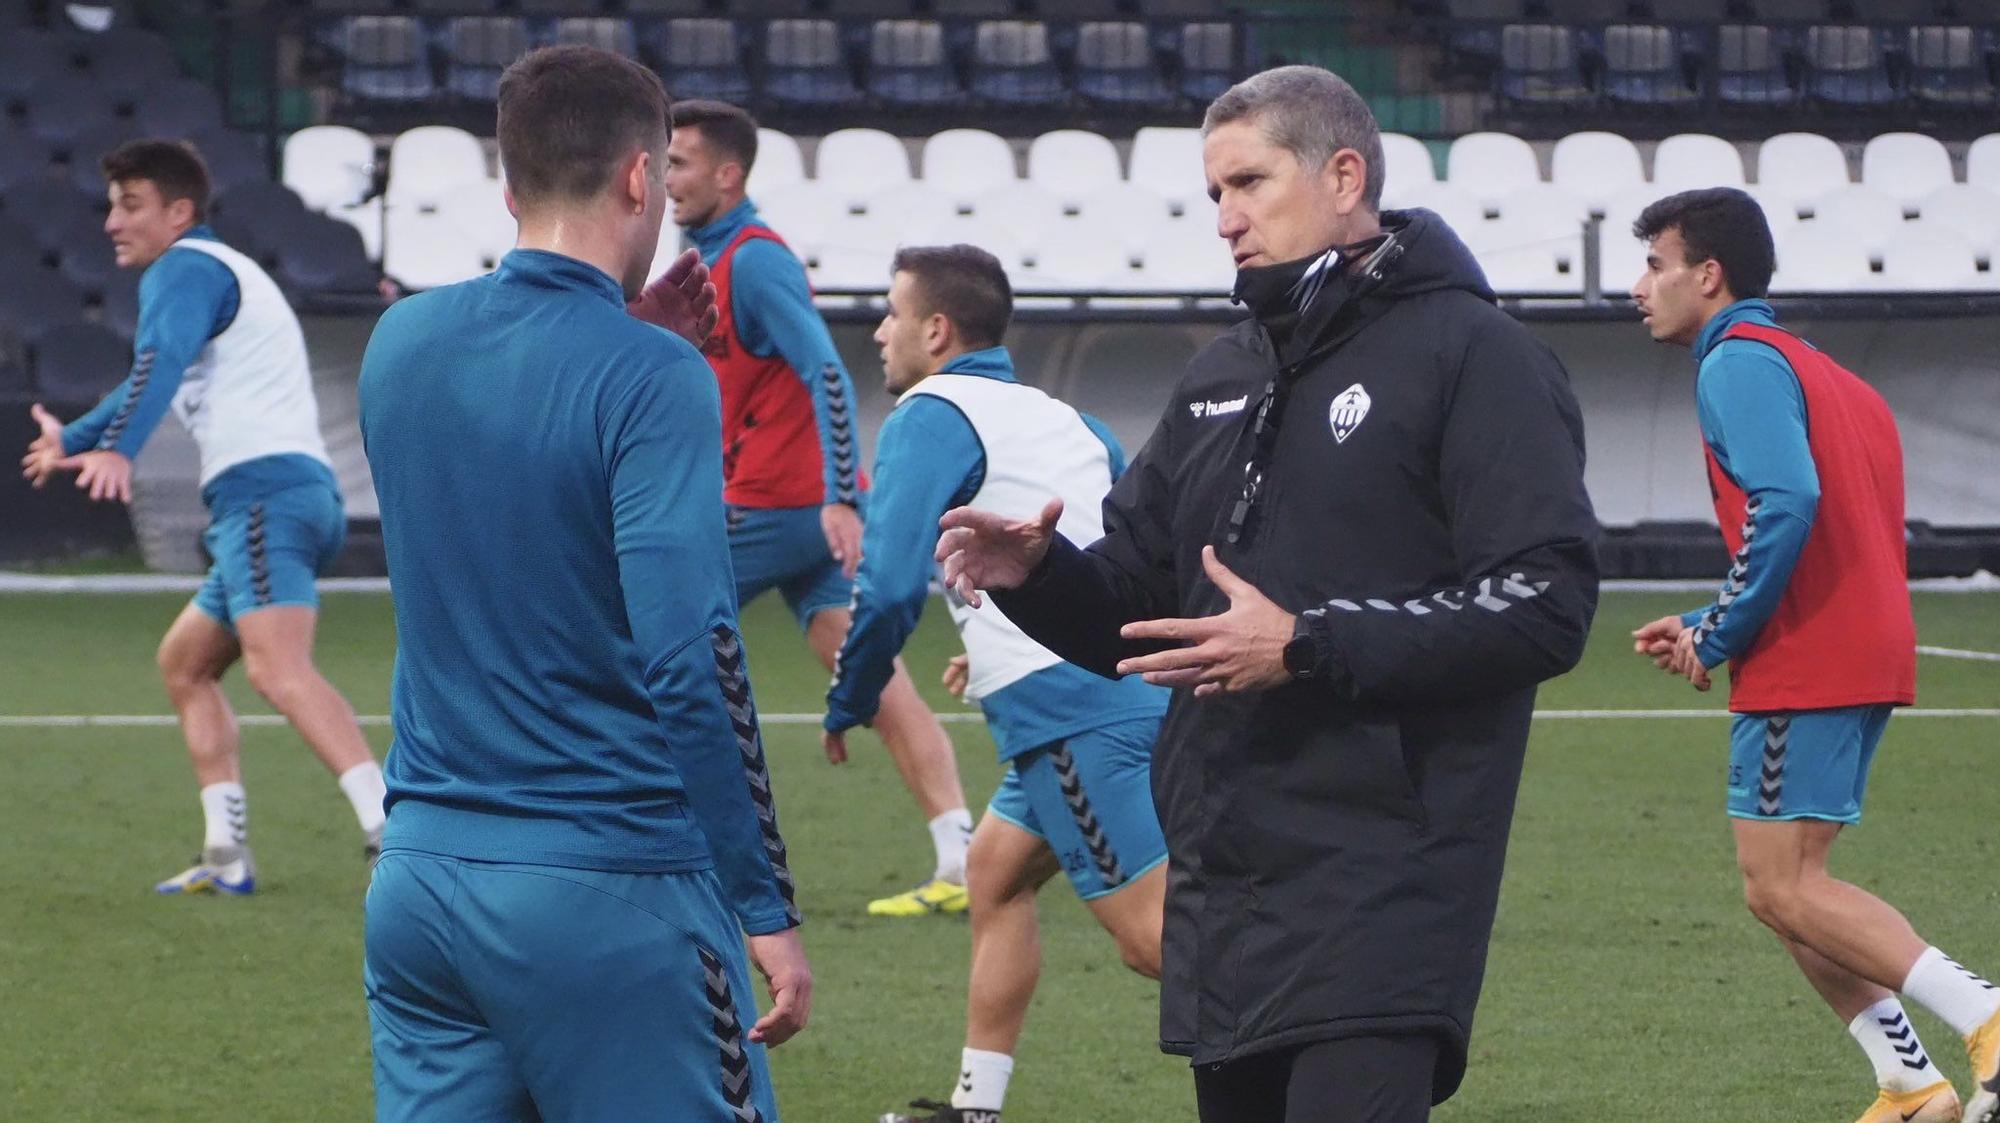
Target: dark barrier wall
pixel 1941 375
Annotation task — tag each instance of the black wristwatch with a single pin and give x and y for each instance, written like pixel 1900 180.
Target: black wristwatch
pixel 1306 653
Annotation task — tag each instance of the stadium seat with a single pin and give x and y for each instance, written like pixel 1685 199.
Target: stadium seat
pixel 179 107
pixel 972 9
pixel 853 254
pixel 1116 65
pixel 1690 160
pixel 681 8
pixel 1790 11
pixel 916 205
pixel 232 157
pixel 1871 218
pixel 84 253
pixel 34 302
pixel 861 160
pixel 366 219
pixel 1815 258
pixel 80 362
pixel 24 157
pixel 602 32
pixel 908 64
pixel 14 382
pixel 701 58
pixel 1083 260
pixel 1952 66
pixel 422 158
pixel 800 211
pixel 1488 165
pixel 1168 161
pixel 424 244
pixel 804 65
pixel 1798 167
pixel 1406 163
pixel 1649 65
pixel 86 151
pixel 1621 256
pixel 46 207
pixel 1132 215
pixel 1905 166
pixel 1012 64
pixel 28 57
pixel 1750 67
pixel 1459 209
pixel 1849 66
pixel 778 161
pixel 1209 63
pixel 329 166
pixel 64 108
pixel 1069 162
pixel 1973 211
pixel 1535 245
pixel 1475 27
pixel 968 160
pixel 386 59
pixel 1195 261
pixel 1928 259
pixel 1685 11
pixel 1982 162
pixel 477 50
pixel 1542 65
pixel 1596 167
pixel 127 62
pixel 1781 213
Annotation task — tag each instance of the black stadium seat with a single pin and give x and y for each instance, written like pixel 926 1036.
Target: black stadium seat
pixel 182 107
pixel 47 207
pixel 232 158
pixel 324 255
pixel 63 107
pixel 27 58
pixel 24 158
pixel 34 302
pixel 80 361
pixel 87 150
pixel 128 62
pixel 119 307
pixel 85 255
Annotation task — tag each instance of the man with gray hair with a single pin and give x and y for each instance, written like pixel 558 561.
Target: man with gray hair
pixel 1354 545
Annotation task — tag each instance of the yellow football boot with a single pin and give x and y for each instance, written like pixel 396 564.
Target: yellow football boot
pixel 938 896
pixel 1984 1049
pixel 1935 1104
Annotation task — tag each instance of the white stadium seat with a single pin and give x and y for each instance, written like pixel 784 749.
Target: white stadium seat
pixel 1933 259
pixel 914 204
pixel 861 160
pixel 1974 212
pixel 1026 210
pixel 1905 166
pixel 431 236
pixel 1621 257
pixel 779 162
pixel 330 166
pixel 1781 214
pixel 853 253
pixel 1815 258
pixel 1459 208
pixel 1489 165
pixel 1868 217
pixel 1536 243
pixel 968 160
pixel 1406 163
pixel 1072 162
pixel 1131 213
pixel 1687 161
pixel 1189 261
pixel 1168 162
pixel 800 212
pixel 1596 167
pixel 1083 259
pixel 423 158
pixel 1982 162
pixel 1798 167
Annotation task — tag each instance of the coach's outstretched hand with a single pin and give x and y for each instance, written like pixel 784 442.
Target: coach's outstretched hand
pixel 681 300
pixel 781 959
pixel 982 550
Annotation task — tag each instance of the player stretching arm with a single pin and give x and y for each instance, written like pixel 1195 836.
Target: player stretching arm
pixel 218 343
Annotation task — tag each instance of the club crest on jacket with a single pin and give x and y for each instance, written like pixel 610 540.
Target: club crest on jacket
pixel 1347 412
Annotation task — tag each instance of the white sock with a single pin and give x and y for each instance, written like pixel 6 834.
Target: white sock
pixel 1886 1035
pixel 226 816
pixel 951 835
pixel 982 1078
pixel 1964 1000
pixel 365 790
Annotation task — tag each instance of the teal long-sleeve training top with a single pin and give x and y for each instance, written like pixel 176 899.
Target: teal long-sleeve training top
pixel 570 685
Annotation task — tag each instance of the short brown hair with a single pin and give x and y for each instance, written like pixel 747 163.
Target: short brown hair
pixel 568 114
pixel 963 283
pixel 1720 223
pixel 172 166
pixel 729 129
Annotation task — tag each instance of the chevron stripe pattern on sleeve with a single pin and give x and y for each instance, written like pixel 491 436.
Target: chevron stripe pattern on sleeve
pixel 1739 576
pixel 142 373
pixel 1494 594
pixel 840 420
pixel 730 672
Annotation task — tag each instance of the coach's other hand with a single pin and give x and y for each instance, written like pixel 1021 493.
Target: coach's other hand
pixel 781 959
pixel 982 550
pixel 45 452
pixel 681 300
pixel 1242 649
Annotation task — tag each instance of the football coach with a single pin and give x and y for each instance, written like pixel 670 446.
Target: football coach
pixel 1355 543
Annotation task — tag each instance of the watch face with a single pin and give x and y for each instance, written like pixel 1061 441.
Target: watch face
pixel 1299 655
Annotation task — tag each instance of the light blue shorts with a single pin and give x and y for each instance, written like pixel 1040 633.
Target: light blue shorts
pixel 1809 764
pixel 783 548
pixel 503 992
pixel 1090 797
pixel 269 552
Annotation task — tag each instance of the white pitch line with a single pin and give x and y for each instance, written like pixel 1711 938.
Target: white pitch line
pixel 145 721
pixel 1959 653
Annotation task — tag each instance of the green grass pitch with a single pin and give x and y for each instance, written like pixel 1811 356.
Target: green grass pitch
pixel 1626 981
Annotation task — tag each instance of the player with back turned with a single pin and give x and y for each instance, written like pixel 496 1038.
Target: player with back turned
pixel 1814 620
pixel 581 825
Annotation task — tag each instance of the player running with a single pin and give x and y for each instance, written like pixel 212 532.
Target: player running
pixel 1814 620
pixel 794 485
pixel 218 343
pixel 1078 747
pixel 581 825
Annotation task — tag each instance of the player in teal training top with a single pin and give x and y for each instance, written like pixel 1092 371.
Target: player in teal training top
pixel 581 827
